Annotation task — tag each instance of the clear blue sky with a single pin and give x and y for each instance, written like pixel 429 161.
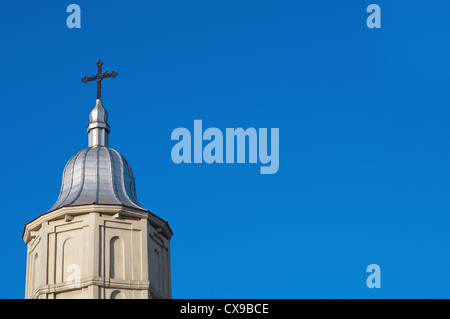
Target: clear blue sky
pixel 364 137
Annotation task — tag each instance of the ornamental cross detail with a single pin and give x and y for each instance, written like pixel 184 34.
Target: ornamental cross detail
pixel 99 77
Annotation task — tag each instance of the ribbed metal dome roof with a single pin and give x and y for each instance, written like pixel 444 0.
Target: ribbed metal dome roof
pixel 97 175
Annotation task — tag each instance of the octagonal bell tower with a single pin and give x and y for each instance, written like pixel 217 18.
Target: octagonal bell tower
pixel 97 242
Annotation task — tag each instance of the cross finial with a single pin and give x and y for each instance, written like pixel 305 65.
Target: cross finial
pixel 99 77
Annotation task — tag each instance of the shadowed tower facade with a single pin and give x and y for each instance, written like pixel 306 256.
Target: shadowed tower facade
pixel 97 241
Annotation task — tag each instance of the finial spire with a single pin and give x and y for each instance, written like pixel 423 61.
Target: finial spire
pixel 98 128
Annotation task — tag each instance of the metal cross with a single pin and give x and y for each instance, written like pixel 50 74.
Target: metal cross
pixel 99 77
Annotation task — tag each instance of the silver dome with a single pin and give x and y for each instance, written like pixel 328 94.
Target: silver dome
pixel 97 175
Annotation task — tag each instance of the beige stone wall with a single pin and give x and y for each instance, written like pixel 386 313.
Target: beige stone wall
pixel 98 251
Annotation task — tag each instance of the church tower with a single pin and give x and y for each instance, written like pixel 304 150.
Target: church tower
pixel 97 242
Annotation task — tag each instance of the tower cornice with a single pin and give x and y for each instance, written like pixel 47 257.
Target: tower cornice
pixel 158 223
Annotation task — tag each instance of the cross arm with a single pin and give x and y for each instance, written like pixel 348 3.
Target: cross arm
pixel 99 77
pixel 113 74
pixel 89 78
